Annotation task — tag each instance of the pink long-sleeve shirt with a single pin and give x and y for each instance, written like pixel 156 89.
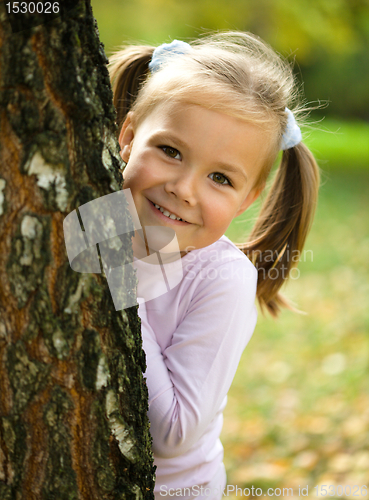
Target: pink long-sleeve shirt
pixel 193 337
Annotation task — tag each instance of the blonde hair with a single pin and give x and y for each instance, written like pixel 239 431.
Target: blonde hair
pixel 237 74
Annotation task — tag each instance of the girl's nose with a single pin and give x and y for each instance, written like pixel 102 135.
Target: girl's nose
pixel 183 187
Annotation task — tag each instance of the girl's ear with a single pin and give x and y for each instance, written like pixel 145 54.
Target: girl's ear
pixel 126 137
pixel 249 200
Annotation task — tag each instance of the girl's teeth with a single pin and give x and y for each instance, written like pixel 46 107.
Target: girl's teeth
pixel 166 213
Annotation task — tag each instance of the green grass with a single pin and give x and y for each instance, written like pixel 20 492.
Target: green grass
pixel 298 408
pixel 340 144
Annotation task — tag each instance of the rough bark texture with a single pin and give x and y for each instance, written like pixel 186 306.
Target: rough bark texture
pixel 73 402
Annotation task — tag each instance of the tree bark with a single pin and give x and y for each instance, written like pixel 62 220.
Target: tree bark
pixel 73 402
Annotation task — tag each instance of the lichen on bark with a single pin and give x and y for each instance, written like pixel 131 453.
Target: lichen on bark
pixel 13 433
pixel 29 255
pixel 60 477
pixel 27 376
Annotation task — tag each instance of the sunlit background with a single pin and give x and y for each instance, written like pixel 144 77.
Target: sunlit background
pixel 298 410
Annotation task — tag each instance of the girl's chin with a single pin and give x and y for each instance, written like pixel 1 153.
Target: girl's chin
pixel 141 250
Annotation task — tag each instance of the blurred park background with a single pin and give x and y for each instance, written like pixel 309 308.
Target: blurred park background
pixel 298 410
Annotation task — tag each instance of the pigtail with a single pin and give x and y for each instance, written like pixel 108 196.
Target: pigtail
pixel 128 70
pixel 280 231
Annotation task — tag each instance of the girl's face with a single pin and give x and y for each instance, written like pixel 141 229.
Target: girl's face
pixel 197 164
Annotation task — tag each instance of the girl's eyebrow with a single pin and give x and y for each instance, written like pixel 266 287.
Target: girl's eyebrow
pixel 165 135
pixel 235 170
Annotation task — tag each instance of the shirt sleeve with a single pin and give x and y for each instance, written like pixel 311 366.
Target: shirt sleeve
pixel 189 380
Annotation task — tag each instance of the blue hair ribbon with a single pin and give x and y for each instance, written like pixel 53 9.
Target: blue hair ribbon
pixel 166 51
pixel 292 135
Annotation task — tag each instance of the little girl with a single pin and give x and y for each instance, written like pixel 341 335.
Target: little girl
pixel 200 127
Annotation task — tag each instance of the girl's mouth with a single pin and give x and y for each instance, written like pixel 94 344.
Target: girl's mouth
pixel 163 213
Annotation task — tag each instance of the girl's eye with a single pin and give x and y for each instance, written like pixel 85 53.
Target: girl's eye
pixel 220 178
pixel 171 152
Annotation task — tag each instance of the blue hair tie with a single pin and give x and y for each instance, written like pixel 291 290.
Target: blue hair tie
pixel 166 51
pixel 292 135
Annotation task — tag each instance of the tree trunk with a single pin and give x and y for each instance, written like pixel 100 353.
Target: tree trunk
pixel 73 402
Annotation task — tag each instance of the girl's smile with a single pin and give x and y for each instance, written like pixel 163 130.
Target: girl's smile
pixel 195 164
pixel 167 214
